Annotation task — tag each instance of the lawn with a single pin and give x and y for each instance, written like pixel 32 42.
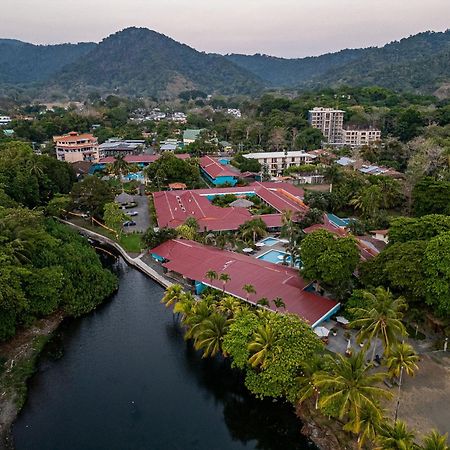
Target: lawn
pixel 131 242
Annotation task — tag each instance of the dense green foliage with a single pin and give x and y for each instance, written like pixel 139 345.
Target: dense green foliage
pixel 45 267
pixel 91 195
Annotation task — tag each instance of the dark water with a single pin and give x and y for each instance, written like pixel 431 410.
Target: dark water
pixel 123 378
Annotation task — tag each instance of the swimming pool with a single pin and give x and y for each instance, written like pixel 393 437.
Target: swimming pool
pixel 136 176
pixel 277 257
pixel 269 241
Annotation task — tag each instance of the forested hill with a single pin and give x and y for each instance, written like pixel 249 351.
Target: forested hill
pixel 26 63
pixel 139 61
pixel 418 63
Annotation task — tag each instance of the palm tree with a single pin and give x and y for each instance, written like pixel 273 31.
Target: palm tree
pixel 264 301
pixel 401 359
pixel 332 175
pixel 279 303
pixel 305 379
pixel 120 168
pixel 211 275
pixel 368 201
pixel 395 437
pixel 211 334
pixel 380 319
pixel 255 228
pixel 435 441
pixel 368 425
pixel 229 306
pixel 173 295
pixel 199 313
pixel 224 278
pixel 261 346
pixel 249 289
pixel 349 386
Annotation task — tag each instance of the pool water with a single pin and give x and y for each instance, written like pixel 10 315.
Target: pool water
pixel 136 176
pixel 277 257
pixel 270 241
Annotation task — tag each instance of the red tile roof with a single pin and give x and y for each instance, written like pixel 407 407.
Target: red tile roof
pixel 214 169
pixel 173 208
pixel 193 260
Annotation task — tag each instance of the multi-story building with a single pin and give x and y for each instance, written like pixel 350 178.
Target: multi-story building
pixel 276 162
pixel 330 122
pixel 117 147
pixel 4 120
pixel 357 138
pixel 74 147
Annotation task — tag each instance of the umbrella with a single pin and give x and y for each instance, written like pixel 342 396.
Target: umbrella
pixel 247 250
pixel 349 345
pixel 342 319
pixel 280 257
pixel 260 244
pixel 284 241
pixel 322 331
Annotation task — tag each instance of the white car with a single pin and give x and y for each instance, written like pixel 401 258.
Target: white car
pixel 132 213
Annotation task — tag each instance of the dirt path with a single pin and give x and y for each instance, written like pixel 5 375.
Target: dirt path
pixel 20 354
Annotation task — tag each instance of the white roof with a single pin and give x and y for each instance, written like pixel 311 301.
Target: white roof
pixel 291 154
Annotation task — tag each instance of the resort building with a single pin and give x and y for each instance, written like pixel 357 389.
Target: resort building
pixel 355 138
pixel 4 120
pixel 139 160
pixel 75 147
pixel 117 147
pixel 276 162
pixel 330 122
pixel 191 261
pixel 174 207
pixel 219 171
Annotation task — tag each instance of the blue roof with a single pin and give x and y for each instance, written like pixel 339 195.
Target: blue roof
pixel 337 220
pixel 345 161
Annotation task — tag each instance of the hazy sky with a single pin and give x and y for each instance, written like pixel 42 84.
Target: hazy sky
pixel 291 28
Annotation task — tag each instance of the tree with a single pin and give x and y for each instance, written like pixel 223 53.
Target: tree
pixel 152 238
pixel 120 168
pixel 328 259
pixel 261 345
pixel 395 437
pixel 224 278
pixel 368 200
pixel 279 303
pixel 305 379
pixel 58 206
pixel 254 228
pixel 91 195
pixel 309 139
pixel 404 229
pixel 212 332
pixel 114 217
pixel 173 295
pixel 430 196
pixel 381 319
pixel 249 289
pixel 349 387
pixel 434 441
pixel 211 275
pixel 264 301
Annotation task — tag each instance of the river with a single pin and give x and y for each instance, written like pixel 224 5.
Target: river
pixel 123 378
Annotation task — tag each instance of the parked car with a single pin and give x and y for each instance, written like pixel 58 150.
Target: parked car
pixel 133 213
pixel 129 223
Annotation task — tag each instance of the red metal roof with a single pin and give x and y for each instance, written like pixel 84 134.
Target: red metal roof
pixel 193 260
pixel 214 169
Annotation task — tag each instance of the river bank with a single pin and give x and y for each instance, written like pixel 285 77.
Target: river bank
pixel 20 356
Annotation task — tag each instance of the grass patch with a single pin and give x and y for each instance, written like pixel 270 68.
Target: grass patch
pixel 131 242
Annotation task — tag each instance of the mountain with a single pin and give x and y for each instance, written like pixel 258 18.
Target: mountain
pixel 419 63
pixel 139 61
pixel 27 63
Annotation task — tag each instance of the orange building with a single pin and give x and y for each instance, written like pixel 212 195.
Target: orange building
pixel 74 147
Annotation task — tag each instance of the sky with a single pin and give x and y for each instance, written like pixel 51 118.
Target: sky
pixel 287 28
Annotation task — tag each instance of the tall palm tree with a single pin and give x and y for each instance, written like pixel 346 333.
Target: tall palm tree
pixel 173 295
pixel 367 427
pixel 211 334
pixel 211 275
pixel 264 301
pixel 305 379
pixel 199 313
pixel 224 278
pixel 380 319
pixel 435 441
pixel 120 168
pixel 349 386
pixel 395 437
pixel 279 302
pixel 263 342
pixel 401 359
pixel 229 306
pixel 254 228
pixel 368 200
pixel 249 289
pixel 332 175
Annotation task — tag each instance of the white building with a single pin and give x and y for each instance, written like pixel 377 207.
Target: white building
pixel 276 162
pixel 236 113
pixel 74 147
pixel 358 138
pixel 4 120
pixel 179 117
pixel 330 122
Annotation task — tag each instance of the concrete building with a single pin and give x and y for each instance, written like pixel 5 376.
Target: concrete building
pixel 218 171
pixel 75 147
pixel 355 138
pixel 117 147
pixel 330 122
pixel 4 120
pixel 276 162
pixel 190 136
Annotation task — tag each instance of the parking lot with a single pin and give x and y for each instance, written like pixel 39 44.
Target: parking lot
pixel 142 219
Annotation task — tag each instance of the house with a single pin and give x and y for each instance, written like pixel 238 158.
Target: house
pixel 190 136
pixel 191 261
pixel 116 147
pixel 218 171
pixel 226 146
pixel 73 147
pixel 381 235
pixel 4 120
pixel 140 160
pixel 277 162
